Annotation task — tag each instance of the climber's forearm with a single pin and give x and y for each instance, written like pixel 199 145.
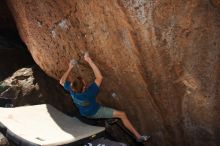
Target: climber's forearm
pixel 65 76
pixel 96 70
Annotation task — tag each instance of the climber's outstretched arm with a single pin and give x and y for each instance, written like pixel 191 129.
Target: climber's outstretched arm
pixel 95 69
pixel 66 74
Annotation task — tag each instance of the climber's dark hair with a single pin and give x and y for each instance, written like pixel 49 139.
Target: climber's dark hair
pixel 78 84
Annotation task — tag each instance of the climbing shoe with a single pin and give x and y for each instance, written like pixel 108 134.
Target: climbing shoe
pixel 143 138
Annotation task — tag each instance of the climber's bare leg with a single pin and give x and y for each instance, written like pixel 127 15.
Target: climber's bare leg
pixel 121 115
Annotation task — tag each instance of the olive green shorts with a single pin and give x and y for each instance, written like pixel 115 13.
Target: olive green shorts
pixel 103 112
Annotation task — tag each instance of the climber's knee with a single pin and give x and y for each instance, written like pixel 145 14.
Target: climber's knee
pixel 119 114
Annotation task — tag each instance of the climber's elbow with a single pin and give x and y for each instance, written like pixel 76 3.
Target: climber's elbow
pixel 61 82
pixel 101 77
pixel 99 80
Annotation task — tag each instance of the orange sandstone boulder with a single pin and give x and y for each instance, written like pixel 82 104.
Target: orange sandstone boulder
pixel 160 59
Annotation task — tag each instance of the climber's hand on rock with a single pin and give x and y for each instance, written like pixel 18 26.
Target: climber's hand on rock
pixel 71 65
pixel 87 58
pixel 74 62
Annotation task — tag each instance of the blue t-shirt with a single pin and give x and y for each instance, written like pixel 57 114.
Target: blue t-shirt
pixel 85 101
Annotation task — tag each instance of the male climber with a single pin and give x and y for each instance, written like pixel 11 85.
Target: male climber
pixel 85 98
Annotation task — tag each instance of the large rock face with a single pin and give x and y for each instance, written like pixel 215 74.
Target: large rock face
pixel 160 59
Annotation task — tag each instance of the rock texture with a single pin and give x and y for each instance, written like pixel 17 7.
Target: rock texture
pixel 160 59
pixel 3 140
pixel 216 3
pixel 13 55
pixel 13 52
pixel 31 86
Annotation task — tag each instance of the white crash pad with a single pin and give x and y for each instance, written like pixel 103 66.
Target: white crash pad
pixel 44 125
